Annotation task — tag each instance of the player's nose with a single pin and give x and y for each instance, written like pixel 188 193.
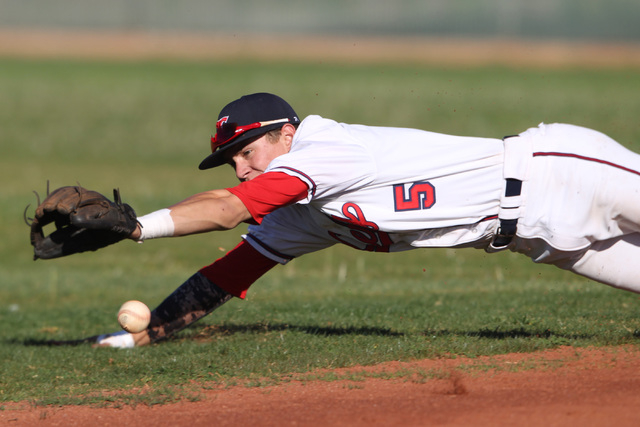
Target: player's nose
pixel 242 170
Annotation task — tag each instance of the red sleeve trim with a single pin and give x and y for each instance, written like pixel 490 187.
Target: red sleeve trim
pixel 238 269
pixel 268 192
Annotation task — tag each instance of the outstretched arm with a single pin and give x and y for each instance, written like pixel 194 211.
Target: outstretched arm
pixel 208 211
pixel 198 296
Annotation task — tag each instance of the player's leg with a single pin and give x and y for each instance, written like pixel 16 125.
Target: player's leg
pixel 613 262
pixel 584 188
pixel 596 178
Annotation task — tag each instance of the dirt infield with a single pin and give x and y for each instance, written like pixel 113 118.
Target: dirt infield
pixel 345 49
pixel 563 387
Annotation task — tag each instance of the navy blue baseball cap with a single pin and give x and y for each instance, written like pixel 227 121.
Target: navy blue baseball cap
pixel 246 118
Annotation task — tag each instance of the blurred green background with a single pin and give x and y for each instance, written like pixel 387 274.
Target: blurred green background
pixel 547 19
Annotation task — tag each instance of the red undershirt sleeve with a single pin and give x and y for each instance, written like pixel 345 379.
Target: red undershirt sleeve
pixel 238 269
pixel 268 192
pixel 242 266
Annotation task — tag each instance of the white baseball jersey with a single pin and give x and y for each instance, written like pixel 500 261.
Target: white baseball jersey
pixel 384 189
pixel 390 189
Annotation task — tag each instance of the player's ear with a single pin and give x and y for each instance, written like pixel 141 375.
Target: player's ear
pixel 287 132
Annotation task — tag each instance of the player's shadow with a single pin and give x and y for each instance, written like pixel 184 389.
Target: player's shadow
pixel 204 332
pixel 210 331
pixel 54 343
pixel 496 334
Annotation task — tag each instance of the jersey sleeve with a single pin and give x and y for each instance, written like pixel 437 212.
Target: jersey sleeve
pixel 331 158
pixel 238 269
pixel 268 192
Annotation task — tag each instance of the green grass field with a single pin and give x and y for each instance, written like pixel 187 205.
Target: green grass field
pixel 144 127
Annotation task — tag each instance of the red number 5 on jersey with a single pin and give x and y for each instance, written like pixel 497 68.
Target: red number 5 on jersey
pixel 422 195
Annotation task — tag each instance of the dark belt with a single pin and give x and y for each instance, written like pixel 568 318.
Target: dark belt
pixel 508 227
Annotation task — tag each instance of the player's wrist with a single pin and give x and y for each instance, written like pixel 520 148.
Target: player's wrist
pixel 154 225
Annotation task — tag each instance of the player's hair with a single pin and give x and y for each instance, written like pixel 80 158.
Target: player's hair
pixel 274 135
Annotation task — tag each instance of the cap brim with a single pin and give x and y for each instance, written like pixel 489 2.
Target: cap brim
pixel 217 158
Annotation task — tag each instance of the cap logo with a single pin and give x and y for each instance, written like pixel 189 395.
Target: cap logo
pixel 222 121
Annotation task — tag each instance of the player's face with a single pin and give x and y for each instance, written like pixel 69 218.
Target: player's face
pixel 252 159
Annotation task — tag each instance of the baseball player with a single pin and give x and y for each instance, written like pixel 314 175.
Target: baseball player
pixel 560 194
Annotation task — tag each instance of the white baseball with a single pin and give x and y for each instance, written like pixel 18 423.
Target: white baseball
pixel 134 316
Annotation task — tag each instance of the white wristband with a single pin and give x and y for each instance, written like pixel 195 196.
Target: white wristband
pixel 156 224
pixel 120 339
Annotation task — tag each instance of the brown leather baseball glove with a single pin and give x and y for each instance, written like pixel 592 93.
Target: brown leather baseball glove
pixel 84 220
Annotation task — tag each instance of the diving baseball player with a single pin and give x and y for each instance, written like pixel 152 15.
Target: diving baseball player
pixel 560 194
